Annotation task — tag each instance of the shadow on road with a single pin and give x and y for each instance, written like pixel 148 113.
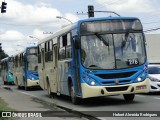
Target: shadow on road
pixel 152 93
pixel 99 101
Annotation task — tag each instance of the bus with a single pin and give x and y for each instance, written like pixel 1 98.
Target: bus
pixel 7 70
pixel 95 57
pixel 26 68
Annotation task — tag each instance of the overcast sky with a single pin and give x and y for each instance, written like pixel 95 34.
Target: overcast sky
pixel 36 17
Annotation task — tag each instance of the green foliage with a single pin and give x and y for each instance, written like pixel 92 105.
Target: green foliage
pixel 3 55
pixel 4 107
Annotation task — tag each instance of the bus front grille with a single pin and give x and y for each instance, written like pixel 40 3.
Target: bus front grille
pixel 116 75
pixel 120 82
pixel 115 89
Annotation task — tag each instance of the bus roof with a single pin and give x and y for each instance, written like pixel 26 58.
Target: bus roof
pixel 30 47
pixel 59 32
pixel 76 24
pixel 106 18
pixel 23 51
pixel 4 59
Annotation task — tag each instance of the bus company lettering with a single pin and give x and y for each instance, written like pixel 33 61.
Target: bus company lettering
pixel 14 114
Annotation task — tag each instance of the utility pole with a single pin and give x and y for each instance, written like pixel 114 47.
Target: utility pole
pixel 91 12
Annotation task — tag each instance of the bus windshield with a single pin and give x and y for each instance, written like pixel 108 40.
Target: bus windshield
pixel 32 62
pixel 10 66
pixel 112 51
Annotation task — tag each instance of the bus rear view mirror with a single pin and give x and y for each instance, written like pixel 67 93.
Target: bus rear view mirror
pixel 76 42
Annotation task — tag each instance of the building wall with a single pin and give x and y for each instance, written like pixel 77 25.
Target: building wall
pixel 153 47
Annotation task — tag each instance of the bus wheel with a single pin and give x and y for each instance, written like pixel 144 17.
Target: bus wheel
pixel 129 97
pixel 49 90
pixel 4 82
pixel 25 85
pixel 19 87
pixel 74 99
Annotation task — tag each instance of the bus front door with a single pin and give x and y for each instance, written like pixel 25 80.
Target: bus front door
pixel 43 70
pixel 56 85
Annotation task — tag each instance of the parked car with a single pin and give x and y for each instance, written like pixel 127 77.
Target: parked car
pixel 154 76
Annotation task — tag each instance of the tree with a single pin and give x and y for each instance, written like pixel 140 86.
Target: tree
pixel 3 55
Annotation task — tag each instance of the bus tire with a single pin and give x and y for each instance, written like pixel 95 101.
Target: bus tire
pixel 19 87
pixel 129 97
pixel 74 99
pixel 4 82
pixel 25 85
pixel 49 90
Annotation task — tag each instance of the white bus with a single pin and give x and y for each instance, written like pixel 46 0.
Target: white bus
pixel 7 70
pixel 26 68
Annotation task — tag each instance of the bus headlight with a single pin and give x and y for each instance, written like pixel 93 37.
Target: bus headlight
pixel 31 77
pixel 90 81
pixel 93 83
pixel 139 79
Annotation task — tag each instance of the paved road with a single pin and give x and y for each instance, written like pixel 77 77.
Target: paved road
pixel 103 104
pixel 26 105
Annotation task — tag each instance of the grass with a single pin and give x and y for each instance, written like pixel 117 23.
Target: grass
pixel 4 107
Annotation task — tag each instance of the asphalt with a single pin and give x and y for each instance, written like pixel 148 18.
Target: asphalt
pixel 26 104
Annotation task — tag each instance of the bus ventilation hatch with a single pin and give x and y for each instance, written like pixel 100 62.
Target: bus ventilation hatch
pixel 116 75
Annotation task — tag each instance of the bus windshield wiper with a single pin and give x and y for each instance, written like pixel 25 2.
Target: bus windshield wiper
pixel 94 66
pixel 102 39
pixel 126 39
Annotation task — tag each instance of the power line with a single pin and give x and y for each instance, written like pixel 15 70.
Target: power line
pixel 149 30
pixel 151 22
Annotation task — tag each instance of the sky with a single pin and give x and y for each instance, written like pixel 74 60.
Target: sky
pixel 37 18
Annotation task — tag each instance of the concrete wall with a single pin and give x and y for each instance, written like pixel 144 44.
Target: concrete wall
pixel 153 47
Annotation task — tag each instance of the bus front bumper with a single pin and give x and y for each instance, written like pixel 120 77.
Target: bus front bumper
pixel 95 91
pixel 32 83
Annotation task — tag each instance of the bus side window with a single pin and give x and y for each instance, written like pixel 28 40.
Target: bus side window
pixel 50 52
pixel 16 61
pixel 46 52
pixel 68 46
pixel 61 48
pixel 65 46
pixel 39 54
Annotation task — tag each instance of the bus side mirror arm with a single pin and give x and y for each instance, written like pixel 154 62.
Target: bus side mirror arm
pixel 76 42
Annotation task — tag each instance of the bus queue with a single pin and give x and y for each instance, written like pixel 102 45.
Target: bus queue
pixel 90 58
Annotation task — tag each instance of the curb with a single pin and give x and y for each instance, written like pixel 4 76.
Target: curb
pixel 7 88
pixel 77 113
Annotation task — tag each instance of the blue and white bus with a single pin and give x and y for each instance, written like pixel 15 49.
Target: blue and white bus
pixel 26 68
pixel 95 57
pixel 7 70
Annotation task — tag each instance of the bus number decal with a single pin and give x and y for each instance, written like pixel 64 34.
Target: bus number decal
pixel 133 62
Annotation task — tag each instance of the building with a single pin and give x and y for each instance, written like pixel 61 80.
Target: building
pixel 153 47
